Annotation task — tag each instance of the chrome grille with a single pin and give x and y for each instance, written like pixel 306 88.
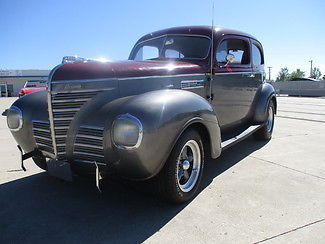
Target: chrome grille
pixel 42 135
pixel 64 106
pixel 89 144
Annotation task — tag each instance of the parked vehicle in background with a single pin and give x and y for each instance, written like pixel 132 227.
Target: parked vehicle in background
pixel 32 86
pixel 185 94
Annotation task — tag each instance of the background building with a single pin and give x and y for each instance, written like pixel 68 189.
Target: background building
pixel 11 81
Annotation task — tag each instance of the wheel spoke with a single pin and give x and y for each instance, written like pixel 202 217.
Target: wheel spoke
pixel 184 153
pixel 186 175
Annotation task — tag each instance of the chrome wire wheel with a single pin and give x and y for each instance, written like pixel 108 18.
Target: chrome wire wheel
pixel 270 119
pixel 188 166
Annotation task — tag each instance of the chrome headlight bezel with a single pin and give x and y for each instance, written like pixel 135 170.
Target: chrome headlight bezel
pixel 130 120
pixel 18 112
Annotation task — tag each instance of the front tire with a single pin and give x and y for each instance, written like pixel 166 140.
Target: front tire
pixel 265 133
pixel 180 178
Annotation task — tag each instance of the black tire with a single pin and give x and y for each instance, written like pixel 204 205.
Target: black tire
pixel 40 162
pixel 265 133
pixel 168 183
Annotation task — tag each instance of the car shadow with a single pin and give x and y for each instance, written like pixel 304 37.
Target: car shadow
pixel 40 208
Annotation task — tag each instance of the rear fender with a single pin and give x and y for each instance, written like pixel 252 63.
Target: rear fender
pixel 264 94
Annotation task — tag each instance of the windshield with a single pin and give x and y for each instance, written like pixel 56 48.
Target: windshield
pixel 172 47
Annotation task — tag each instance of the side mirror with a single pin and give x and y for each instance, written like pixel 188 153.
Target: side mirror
pixel 230 58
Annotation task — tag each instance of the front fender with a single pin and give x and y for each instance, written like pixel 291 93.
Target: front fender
pixel 164 115
pixel 33 107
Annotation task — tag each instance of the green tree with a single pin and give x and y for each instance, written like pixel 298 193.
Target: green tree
pixel 315 73
pixel 283 75
pixel 297 74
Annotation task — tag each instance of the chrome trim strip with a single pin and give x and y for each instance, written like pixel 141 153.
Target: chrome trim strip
pixel 160 76
pixel 41 122
pixel 43 138
pixel 84 81
pixel 71 100
pixel 61 127
pixel 89 137
pixel 86 146
pixel 92 127
pixel 43 145
pixel 65 109
pixel 61 136
pixel 249 131
pixel 64 118
pixel 60 144
pixel 233 73
pixel 50 110
pixel 43 130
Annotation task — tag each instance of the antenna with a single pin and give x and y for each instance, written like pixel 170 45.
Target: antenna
pixel 211 55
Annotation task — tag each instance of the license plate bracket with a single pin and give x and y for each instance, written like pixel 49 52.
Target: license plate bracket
pixel 59 169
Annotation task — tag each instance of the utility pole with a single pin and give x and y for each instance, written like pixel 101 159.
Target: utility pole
pixel 269 72
pixel 311 67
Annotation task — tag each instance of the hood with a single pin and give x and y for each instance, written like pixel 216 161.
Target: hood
pixel 124 69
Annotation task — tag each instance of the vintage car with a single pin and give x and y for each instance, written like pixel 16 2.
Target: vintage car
pixel 32 86
pixel 185 94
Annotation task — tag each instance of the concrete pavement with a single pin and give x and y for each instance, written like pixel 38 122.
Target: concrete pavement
pixel 256 192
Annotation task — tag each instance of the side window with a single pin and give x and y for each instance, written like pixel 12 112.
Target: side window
pixel 257 55
pixel 239 48
pixel 170 53
pixel 147 52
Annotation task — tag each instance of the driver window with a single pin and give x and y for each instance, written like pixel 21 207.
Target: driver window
pixel 238 48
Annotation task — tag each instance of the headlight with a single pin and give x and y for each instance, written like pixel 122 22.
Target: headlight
pixel 127 131
pixel 14 118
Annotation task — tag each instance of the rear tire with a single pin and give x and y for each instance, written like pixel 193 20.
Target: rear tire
pixel 180 178
pixel 265 133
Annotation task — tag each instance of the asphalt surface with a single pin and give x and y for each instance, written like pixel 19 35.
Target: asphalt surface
pixel 256 192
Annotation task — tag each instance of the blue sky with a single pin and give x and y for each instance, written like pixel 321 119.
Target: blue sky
pixel 36 34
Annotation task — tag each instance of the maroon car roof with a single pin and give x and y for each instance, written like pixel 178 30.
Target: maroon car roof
pixel 196 30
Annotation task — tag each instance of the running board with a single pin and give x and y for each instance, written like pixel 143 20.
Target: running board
pixel 246 133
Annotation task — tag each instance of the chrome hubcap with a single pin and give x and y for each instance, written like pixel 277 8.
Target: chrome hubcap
pixel 188 166
pixel 269 123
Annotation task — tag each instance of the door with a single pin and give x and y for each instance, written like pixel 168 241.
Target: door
pixel 257 64
pixel 232 90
